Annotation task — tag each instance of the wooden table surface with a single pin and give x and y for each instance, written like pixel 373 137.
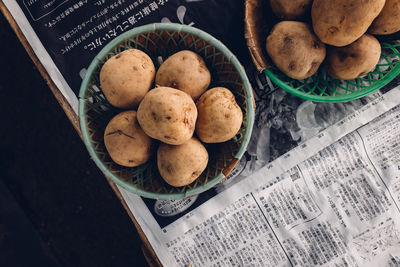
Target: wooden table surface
pixel 73 118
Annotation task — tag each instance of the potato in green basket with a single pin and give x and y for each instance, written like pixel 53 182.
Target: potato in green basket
pixel 295 49
pixel 388 21
pixel 126 142
pixel 185 71
pixel 354 60
pixel 341 22
pixel 126 78
pixel 168 115
pixel 181 165
pixel 220 117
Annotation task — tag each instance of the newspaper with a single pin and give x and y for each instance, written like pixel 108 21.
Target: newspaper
pixel 319 184
pixel 330 201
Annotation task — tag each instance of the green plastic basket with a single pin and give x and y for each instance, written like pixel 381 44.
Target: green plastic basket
pixel 322 87
pixel 163 40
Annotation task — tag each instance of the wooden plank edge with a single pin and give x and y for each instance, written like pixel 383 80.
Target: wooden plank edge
pixel 150 251
pixel 73 117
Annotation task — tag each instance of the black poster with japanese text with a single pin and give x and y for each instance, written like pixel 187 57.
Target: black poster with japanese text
pixel 74 31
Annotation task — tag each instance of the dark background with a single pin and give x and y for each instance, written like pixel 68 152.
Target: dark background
pixel 56 208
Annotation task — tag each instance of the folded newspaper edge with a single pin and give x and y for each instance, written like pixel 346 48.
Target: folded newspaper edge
pixel 333 200
pixel 185 230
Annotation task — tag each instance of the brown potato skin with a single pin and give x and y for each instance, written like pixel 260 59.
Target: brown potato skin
pixel 341 22
pixel 354 60
pixel 388 21
pixel 181 165
pixel 126 78
pixel 126 142
pixel 220 117
pixel 295 50
pixel 168 115
pixel 290 9
pixel 185 71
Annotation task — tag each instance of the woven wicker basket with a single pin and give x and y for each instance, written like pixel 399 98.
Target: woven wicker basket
pixel 163 40
pixel 321 87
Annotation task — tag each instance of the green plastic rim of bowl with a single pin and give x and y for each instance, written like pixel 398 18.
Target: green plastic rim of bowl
pixel 152 28
pixel 321 87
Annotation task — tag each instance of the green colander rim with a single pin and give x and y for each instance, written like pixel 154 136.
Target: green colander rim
pixel 167 27
pixel 395 71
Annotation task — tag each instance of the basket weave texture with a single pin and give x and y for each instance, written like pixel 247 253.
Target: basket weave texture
pixel 162 40
pixel 321 87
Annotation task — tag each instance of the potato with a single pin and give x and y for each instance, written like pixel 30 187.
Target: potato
pixel 126 78
pixel 290 9
pixel 220 117
pixel 125 141
pixel 168 115
pixel 388 21
pixel 295 50
pixel 341 22
pixel 354 60
pixel 185 71
pixel 181 165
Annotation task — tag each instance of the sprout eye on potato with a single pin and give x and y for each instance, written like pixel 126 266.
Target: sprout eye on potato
pixel 185 71
pixel 181 165
pixel 168 115
pixel 295 50
pixel 126 78
pixel 125 141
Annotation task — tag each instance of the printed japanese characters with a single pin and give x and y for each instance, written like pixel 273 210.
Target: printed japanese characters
pixel 342 201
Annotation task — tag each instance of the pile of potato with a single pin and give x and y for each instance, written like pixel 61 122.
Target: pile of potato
pixel 338 36
pixel 167 113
